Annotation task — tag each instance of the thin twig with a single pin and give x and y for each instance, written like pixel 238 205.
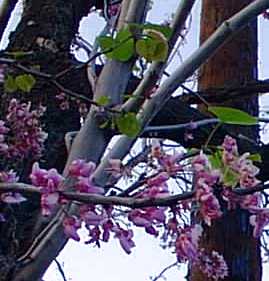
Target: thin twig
pixel 164 270
pixel 60 269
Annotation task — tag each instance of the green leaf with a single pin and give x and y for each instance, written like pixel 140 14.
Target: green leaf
pixel 25 82
pixel 255 157
pixel 121 48
pixel 154 47
pixel 103 100
pixel 106 43
pixel 10 85
pixel 124 45
pixel 128 124
pixel 216 160
pixel 164 29
pixel 230 178
pixel 235 116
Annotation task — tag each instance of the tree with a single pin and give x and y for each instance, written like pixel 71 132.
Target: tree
pixel 38 62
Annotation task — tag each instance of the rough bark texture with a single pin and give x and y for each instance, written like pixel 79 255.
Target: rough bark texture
pixel 55 21
pixel 233 65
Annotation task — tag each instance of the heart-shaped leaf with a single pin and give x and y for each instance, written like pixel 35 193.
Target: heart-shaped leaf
pixel 235 116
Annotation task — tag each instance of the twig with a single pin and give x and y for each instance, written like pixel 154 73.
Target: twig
pixel 164 270
pixel 60 269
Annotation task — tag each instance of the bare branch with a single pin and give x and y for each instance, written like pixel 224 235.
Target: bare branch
pixel 96 199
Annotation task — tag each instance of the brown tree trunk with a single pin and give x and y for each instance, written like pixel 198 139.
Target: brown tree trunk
pixel 56 21
pixel 233 65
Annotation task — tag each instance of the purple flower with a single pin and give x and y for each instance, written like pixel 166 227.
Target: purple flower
pixel 125 238
pixel 80 168
pixel 187 243
pixel 48 202
pixel 12 198
pixel 71 226
pixel 85 185
pixel 259 221
pixel 213 265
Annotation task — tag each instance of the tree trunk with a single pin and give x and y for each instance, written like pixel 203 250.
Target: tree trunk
pixel 56 21
pixel 233 65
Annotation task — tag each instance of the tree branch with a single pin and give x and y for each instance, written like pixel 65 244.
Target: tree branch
pixel 5 12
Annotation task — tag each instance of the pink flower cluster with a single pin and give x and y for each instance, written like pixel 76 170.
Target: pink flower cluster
pixel 167 163
pixel 187 249
pixel 187 243
pixel 82 172
pixel 247 172
pixel 26 135
pixel 241 165
pixel 50 184
pixel 10 197
pixel 205 179
pixel 210 186
pixel 213 264
pixel 100 223
pixel 3 134
pixel 147 218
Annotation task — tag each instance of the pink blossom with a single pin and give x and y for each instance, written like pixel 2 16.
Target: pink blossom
pixel 38 176
pixel 213 265
pixel 125 238
pixel 187 243
pixel 85 185
pixel 3 128
pixel 147 218
pixel 48 202
pixel 169 163
pixel 251 202
pixel 229 144
pixel 209 207
pixel 107 228
pixel 81 168
pixel 95 234
pixel 200 162
pixel 71 226
pixel 259 221
pixel 117 170
pixel 12 198
pixel 8 177
pixel 91 217
pixel 159 180
pixel 48 181
pixel 156 150
pixel 26 134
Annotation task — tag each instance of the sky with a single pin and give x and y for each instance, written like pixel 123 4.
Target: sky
pixel 82 262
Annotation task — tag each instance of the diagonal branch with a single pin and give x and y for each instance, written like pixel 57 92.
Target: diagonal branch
pixel 5 12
